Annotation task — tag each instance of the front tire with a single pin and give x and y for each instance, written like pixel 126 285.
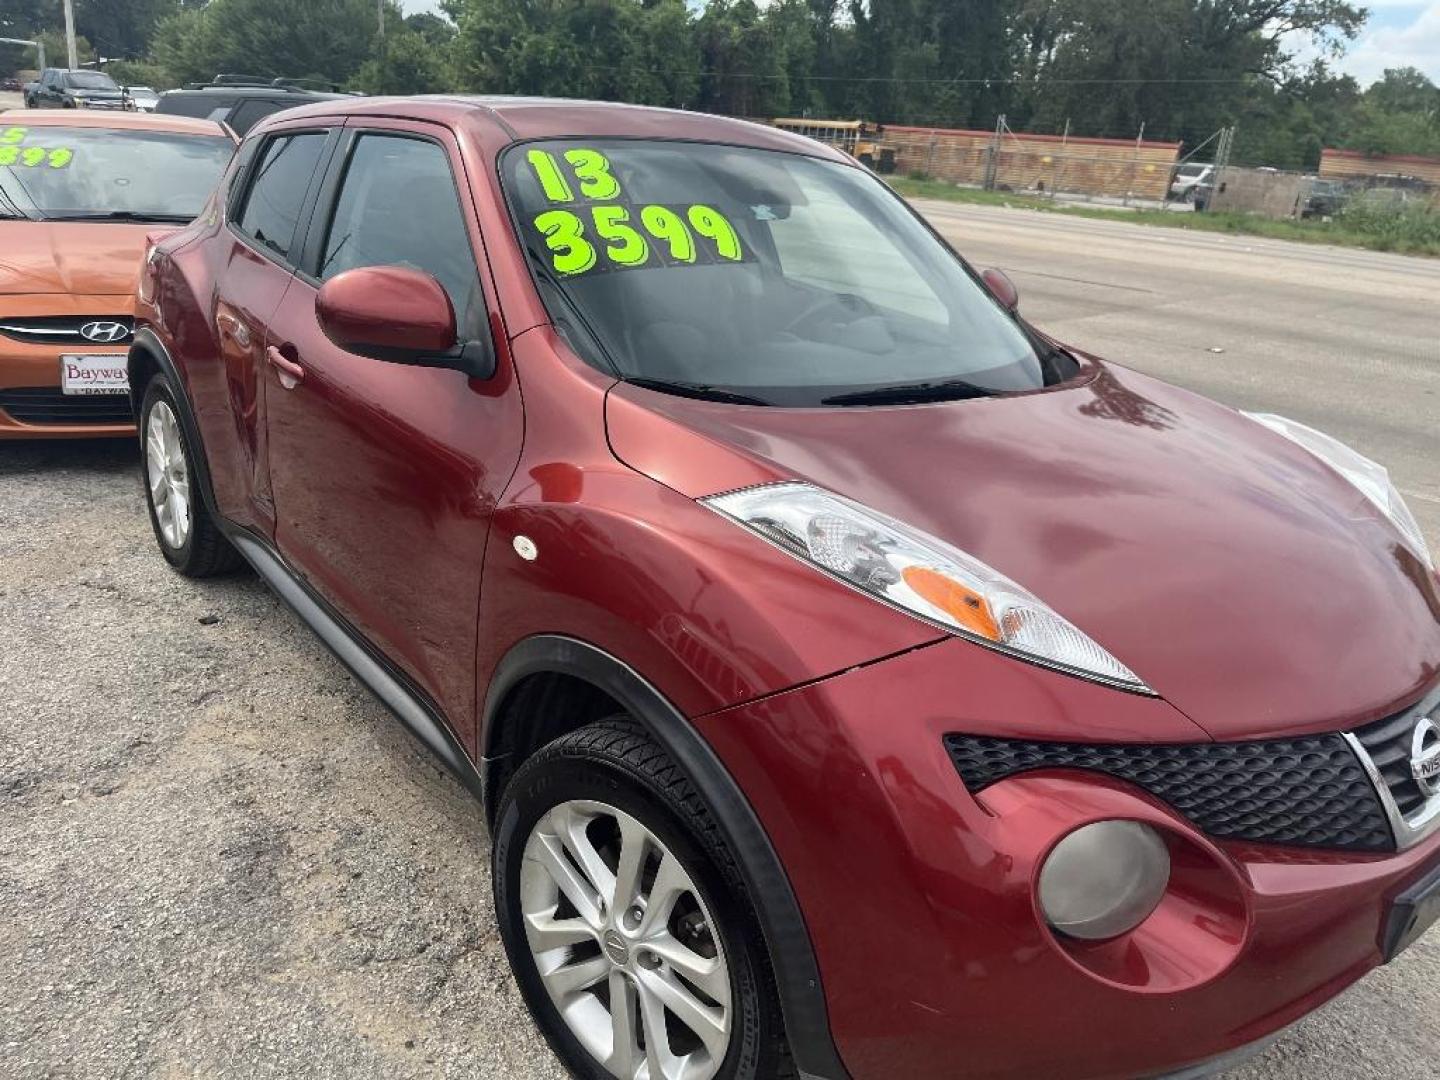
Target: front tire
pixel 188 536
pixel 625 917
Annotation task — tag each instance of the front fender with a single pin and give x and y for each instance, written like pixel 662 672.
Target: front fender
pixel 708 612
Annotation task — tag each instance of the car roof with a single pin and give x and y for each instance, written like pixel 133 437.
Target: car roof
pixel 525 118
pixel 253 90
pixel 126 121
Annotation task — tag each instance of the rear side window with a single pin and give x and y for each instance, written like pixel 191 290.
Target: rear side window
pixel 179 103
pixel 277 190
pixel 398 206
pixel 250 112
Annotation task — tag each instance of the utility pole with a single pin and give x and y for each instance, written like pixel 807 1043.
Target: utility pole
pixel 74 56
pixel 1061 160
pixel 992 162
pixel 380 14
pixel 1134 160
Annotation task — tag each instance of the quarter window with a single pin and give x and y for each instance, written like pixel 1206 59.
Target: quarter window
pixel 398 207
pixel 249 113
pixel 272 209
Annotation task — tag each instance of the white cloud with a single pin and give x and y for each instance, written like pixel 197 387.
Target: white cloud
pixel 1412 44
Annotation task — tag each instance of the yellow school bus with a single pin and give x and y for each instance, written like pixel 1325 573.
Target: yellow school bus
pixel 856 137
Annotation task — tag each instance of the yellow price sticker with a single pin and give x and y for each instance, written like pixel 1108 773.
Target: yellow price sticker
pixel 12 136
pixel 621 236
pixel 590 168
pixel 32 157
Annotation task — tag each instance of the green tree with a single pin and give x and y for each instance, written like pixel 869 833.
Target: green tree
pixel 322 39
pixel 409 62
pixel 434 29
pixel 744 67
pixel 618 50
pixel 121 28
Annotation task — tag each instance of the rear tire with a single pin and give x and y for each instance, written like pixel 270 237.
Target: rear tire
pixel 585 809
pixel 188 536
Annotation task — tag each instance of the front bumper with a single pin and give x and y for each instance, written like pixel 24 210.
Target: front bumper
pixel 31 403
pixel 919 897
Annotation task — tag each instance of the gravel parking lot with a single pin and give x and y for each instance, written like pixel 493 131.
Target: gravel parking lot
pixel 219 856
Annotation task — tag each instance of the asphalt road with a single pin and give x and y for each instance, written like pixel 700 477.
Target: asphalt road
pixel 220 857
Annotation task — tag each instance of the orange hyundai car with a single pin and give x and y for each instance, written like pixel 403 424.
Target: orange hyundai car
pixel 79 193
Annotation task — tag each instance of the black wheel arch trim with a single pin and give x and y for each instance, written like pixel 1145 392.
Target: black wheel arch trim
pixel 797 974
pixel 147 342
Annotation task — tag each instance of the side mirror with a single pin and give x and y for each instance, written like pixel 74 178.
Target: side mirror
pixel 399 315
pixel 1002 288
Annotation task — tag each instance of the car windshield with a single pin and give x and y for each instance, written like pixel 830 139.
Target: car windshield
pixel 755 276
pixel 90 80
pixel 1191 170
pixel 59 172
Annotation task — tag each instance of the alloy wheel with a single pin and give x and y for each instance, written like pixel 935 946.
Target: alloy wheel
pixel 625 944
pixel 168 475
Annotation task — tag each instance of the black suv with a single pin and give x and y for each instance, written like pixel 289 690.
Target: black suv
pixel 62 89
pixel 240 101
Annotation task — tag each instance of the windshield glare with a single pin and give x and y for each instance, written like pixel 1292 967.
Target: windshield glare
pixel 767 276
pixel 53 171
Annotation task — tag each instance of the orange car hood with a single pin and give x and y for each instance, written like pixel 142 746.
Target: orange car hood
pixel 77 257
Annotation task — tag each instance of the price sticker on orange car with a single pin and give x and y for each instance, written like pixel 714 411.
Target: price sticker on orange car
pixel 33 157
pixel 592 227
pixel 95 374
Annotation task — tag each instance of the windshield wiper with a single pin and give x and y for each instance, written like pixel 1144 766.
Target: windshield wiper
pixel 122 215
pixel 696 390
pixel 910 394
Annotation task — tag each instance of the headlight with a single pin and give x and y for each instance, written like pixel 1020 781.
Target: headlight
pixel 1369 478
pixel 1104 879
pixel 919 573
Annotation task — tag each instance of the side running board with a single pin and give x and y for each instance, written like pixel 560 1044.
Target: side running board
pixel 345 643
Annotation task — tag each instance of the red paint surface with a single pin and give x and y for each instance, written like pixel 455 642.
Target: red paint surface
pixel 1242 579
pixel 386 307
pixel 1256 592
pixel 920 899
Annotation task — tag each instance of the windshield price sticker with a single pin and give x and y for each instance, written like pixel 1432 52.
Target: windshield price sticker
pixel 32 157
pixel 13 136
pixel 612 234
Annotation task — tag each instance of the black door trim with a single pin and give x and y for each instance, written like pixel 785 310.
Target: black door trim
pixel 409 704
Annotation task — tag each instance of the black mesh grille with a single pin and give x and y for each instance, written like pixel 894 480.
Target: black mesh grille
pixel 1309 792
pixel 43 405
pixel 60 329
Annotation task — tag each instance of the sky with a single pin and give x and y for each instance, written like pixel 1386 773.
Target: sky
pixel 1399 33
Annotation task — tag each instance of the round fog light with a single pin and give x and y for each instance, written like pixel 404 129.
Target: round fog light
pixel 1104 879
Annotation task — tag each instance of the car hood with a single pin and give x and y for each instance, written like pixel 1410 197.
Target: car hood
pixel 1241 578
pixel 80 257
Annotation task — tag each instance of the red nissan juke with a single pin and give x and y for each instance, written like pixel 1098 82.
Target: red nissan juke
pixel 858 682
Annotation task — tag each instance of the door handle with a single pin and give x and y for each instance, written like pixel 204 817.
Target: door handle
pixel 290 372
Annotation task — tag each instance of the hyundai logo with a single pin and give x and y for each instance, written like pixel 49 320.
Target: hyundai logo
pixel 1425 757
pixel 104 333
